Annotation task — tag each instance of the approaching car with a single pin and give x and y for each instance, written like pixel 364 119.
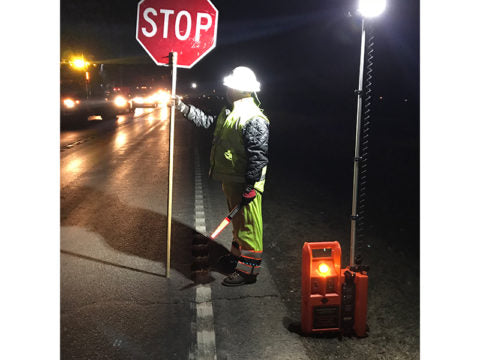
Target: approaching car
pixel 143 97
pixel 120 100
pixel 122 104
pixel 146 97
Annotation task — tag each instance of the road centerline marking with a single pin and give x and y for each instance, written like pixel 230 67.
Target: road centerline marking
pixel 205 348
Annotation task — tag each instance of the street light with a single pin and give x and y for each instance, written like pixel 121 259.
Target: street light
pixel 194 85
pixel 367 9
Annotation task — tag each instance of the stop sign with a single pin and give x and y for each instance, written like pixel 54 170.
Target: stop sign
pixel 188 27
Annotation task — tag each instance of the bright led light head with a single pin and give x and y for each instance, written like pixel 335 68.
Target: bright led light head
pixel 323 268
pixel 371 8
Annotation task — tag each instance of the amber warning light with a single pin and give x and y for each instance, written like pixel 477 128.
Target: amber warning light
pixel 323 268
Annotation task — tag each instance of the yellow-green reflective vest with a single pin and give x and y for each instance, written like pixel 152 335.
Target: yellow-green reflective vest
pixel 228 160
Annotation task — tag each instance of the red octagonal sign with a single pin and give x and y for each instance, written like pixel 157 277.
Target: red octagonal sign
pixel 188 27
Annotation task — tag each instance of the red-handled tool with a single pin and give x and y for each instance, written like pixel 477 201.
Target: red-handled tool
pixel 226 221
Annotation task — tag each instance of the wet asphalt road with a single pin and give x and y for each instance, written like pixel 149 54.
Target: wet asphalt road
pixel 116 302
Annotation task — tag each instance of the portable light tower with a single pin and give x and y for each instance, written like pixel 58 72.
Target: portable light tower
pixel 335 299
pixel 367 9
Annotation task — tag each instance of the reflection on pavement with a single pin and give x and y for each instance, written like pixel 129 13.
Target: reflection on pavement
pixel 120 139
pixel 74 165
pixel 163 113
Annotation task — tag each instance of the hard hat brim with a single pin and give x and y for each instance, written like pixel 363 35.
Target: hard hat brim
pixel 241 85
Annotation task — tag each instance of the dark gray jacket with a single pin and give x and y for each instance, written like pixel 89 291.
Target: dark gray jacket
pixel 255 139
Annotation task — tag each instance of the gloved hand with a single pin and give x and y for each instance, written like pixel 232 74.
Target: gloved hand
pixel 248 195
pixel 179 105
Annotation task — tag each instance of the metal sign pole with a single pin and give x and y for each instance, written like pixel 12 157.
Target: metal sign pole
pixel 173 64
pixel 357 150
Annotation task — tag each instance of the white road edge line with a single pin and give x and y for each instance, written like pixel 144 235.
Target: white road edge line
pixel 205 348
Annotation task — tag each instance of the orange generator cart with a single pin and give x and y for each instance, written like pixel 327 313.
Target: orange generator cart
pixel 333 299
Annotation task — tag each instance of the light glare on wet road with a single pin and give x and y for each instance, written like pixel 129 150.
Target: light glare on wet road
pixel 163 113
pixel 139 111
pixel 120 139
pixel 74 165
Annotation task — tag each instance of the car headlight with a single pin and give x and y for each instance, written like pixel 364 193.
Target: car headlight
pixel 69 103
pixel 120 101
pixel 163 97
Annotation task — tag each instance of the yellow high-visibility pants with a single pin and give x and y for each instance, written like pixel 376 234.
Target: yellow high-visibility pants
pixel 248 223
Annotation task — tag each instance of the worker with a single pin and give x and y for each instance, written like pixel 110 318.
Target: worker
pixel 239 160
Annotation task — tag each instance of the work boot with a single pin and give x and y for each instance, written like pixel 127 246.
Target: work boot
pixel 227 264
pixel 238 279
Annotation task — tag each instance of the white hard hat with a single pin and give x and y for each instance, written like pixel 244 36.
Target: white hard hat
pixel 242 78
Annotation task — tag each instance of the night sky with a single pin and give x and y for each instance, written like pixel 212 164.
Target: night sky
pixel 309 48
